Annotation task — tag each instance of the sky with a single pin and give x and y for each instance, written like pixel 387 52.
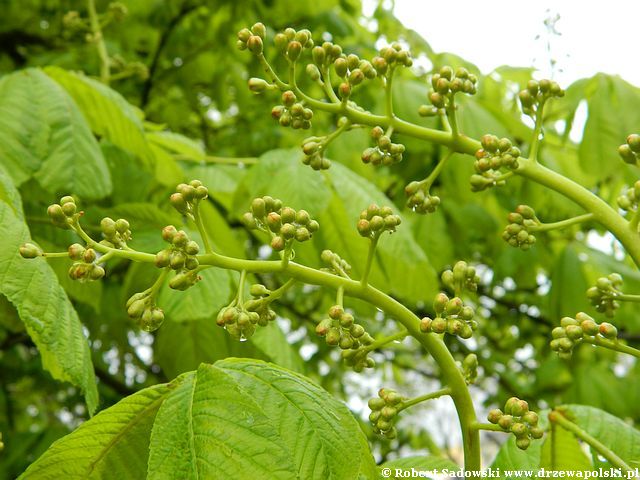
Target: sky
pixel 589 37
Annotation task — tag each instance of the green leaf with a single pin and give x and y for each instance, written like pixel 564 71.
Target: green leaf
pixel 443 466
pixel 568 286
pixel 272 342
pixel 43 134
pixel 510 457
pixel 182 346
pixel 108 113
pixel 317 428
pixel 51 321
pixel 204 300
pixel 209 426
pixel 562 451
pixel 112 445
pixel 620 437
pixel 614 112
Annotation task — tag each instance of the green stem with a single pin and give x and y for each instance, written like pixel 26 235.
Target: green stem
pixel 626 298
pixel 240 293
pixel 558 418
pixel 388 91
pixel 432 343
pixel 128 254
pixel 197 218
pixel 217 160
pixel 340 296
pixel 611 345
pixel 286 254
pixel 489 427
pixel 545 227
pixel 275 294
pixel 328 87
pixel 94 22
pixel 271 74
pixel 423 398
pixel 55 254
pixel 427 182
pixel 451 116
pixel 370 256
pixel 535 140
pixel 385 341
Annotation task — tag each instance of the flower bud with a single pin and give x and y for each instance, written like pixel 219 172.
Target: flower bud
pixel 29 250
pixel 258 85
pixel 254 44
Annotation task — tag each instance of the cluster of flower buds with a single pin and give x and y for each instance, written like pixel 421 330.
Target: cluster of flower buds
pixel 462 277
pixel 470 368
pixel 629 151
pixel 419 199
pixel 519 420
pixel 116 233
pixel 452 317
pixel 292 113
pixel 179 256
pixel 353 71
pixel 391 57
pixel 240 323
pixel 375 220
pixel 385 152
pixel 84 267
pixel 340 329
pixel 252 40
pixel 446 83
pixel 629 199
pixel 495 154
pixel 572 330
pixel 260 304
pixel 517 232
pixel 313 148
pixel 603 294
pixel 536 93
pixel 291 43
pixel 283 223
pixel 384 409
pixel 63 214
pixel 141 307
pixel 187 196
pixel 335 262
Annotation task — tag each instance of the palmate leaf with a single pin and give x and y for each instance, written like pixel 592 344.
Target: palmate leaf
pixel 235 419
pixel 43 134
pixel 108 113
pixel 50 319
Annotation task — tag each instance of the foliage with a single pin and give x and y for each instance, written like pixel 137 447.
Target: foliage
pixel 326 241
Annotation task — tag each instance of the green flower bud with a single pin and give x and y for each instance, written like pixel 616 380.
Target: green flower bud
pixel 254 44
pixel 278 243
pixel 178 202
pixel 89 255
pixel 29 250
pixel 162 259
pixel 536 433
pixel 69 209
pixel 293 50
pixel 313 72
pixel 531 418
pixel 260 30
pixel 505 422
pixel 180 239
pixel 523 443
pixel 608 331
pixel 176 260
pixel 56 214
pixel 494 416
pixel 191 263
pixel 319 55
pixel 258 85
pixel 136 308
pixel 191 248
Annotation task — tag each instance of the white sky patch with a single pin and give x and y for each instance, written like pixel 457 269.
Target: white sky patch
pixel 591 39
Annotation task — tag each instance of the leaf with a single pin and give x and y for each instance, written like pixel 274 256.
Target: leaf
pixel 317 428
pixel 620 437
pixel 51 321
pixel 510 457
pixel 43 134
pixel 182 346
pixel 614 112
pixel 108 113
pixel 272 342
pixel 562 451
pixel 439 466
pixel 203 300
pixel 568 284
pixel 209 426
pixel 176 143
pixel 112 445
